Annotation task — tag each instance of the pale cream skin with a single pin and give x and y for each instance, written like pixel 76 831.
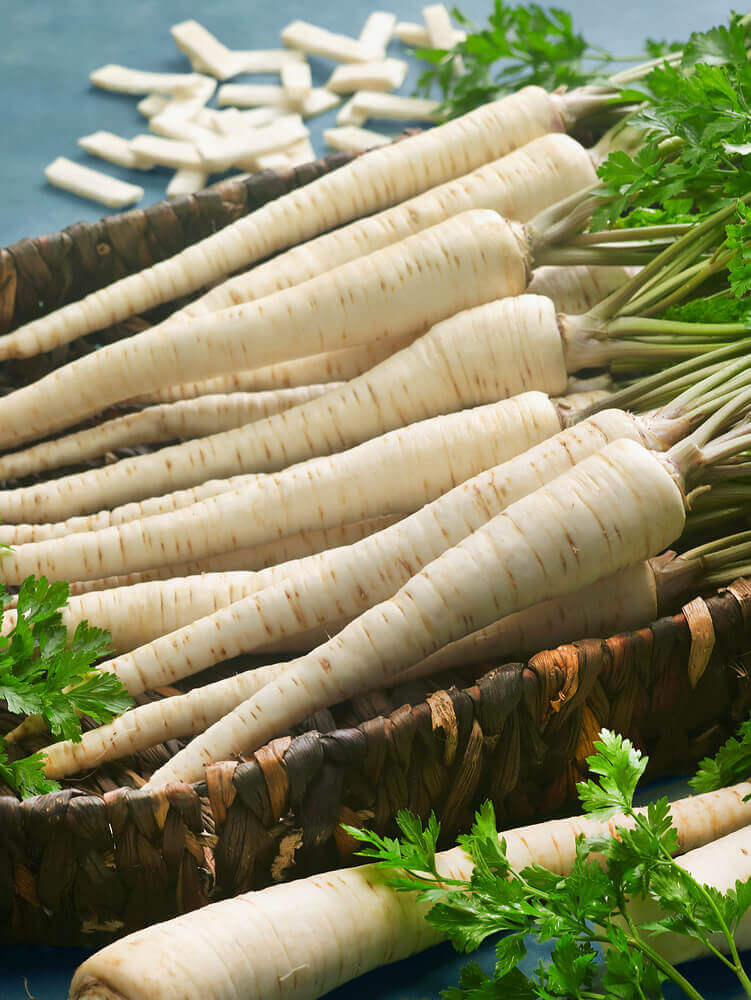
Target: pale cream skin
pixel 312 935
pixel 375 478
pixel 182 419
pixel 613 509
pixel 505 347
pixel 339 583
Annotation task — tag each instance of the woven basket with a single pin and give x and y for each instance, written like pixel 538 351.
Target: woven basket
pixel 103 857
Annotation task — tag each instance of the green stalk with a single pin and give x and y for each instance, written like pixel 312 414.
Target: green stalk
pixel 664 379
pixel 670 231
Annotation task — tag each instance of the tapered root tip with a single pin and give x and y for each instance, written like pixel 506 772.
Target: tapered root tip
pixel 88 988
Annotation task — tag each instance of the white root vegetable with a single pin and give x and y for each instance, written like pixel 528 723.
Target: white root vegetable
pixel 166 422
pixel 615 508
pixel 627 600
pixel 331 366
pixel 352 139
pixel 152 104
pixel 204 954
pixel 320 42
pixel 518 186
pixel 110 147
pixel 507 347
pixel 368 184
pixel 576 289
pixel 472 258
pixel 386 74
pixel 338 583
pixel 720 863
pixel 91 184
pixel 305 543
pixel 573 290
pixel 20 534
pixel 374 478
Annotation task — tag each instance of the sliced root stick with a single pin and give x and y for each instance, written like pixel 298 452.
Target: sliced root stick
pixel 91 184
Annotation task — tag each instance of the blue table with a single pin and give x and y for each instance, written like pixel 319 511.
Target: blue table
pixel 48 48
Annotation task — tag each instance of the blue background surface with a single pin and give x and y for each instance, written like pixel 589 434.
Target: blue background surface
pixel 47 49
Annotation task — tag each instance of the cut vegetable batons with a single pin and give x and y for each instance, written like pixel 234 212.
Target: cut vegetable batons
pixel 441 32
pixel 300 152
pixel 136 81
pixel 152 104
pixel 297 81
pixel 273 161
pixel 248 95
pixel 162 152
pixel 92 184
pixel 320 42
pixel 371 104
pixel 206 53
pixel 186 181
pixel 111 147
pixel 348 115
pixel 266 60
pixel 351 139
pixel 241 149
pixel 378 32
pixel 383 75
pixel 414 35
pixel 232 120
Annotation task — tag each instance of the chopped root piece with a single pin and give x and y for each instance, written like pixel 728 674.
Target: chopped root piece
pixel 92 184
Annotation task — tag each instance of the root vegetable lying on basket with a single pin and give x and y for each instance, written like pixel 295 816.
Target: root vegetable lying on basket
pixel 375 478
pixel 613 509
pixel 573 289
pixel 166 422
pixel 626 600
pixel 368 184
pixel 342 582
pixel 472 258
pixel 207 952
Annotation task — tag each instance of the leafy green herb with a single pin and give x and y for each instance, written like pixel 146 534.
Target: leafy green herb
pixel 600 950
pixel 522 45
pixel 41 674
pixel 696 121
pixel 731 763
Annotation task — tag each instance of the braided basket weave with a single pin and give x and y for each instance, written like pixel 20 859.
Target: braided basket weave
pixel 103 857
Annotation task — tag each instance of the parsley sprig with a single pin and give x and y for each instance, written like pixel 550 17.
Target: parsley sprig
pixel 600 948
pixel 696 123
pixel 42 674
pixel 521 45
